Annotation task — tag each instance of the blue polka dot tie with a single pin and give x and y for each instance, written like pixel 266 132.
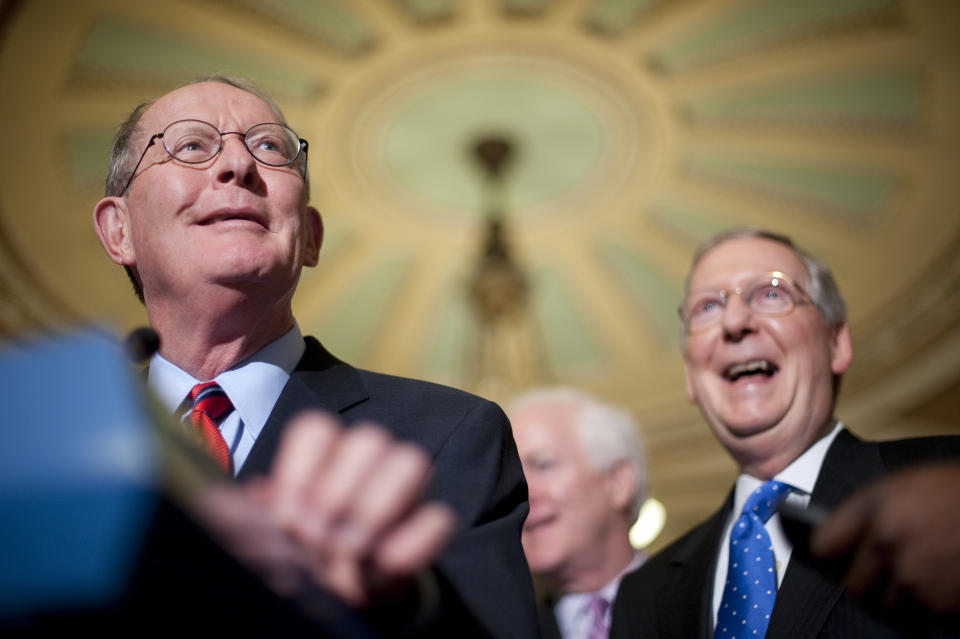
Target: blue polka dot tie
pixel 751 585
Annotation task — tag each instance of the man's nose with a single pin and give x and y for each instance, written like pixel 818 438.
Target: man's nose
pixel 738 319
pixel 236 163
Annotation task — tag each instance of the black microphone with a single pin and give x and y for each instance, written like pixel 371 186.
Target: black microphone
pixel 141 343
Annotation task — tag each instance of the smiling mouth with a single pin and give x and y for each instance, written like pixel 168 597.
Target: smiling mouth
pixel 531 525
pixel 241 217
pixel 753 367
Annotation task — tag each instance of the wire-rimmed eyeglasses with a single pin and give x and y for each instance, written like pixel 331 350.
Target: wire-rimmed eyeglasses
pixel 196 141
pixel 770 294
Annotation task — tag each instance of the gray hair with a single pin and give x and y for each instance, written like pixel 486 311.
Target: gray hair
pixel 608 434
pixel 123 155
pixel 819 284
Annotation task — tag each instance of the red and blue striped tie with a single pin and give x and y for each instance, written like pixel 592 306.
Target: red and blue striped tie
pixel 210 405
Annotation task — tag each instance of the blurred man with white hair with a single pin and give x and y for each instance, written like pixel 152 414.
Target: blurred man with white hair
pixel 585 470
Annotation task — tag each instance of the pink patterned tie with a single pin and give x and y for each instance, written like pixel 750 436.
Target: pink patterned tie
pixel 597 611
pixel 210 405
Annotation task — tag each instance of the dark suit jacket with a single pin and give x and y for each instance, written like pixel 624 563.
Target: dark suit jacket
pixel 671 595
pixel 549 628
pixel 485 583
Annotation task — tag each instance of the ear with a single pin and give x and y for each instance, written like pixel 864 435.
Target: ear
pixel 621 480
pixel 314 236
pixel 111 221
pixel 841 349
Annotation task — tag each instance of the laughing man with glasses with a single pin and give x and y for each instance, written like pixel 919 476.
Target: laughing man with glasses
pixel 765 342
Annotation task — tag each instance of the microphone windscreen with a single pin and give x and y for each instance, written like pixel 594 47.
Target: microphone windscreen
pixel 141 343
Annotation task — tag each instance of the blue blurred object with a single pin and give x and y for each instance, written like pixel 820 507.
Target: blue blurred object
pixel 77 465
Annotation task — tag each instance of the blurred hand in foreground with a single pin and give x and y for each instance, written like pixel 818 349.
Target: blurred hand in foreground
pixel 342 509
pixel 900 539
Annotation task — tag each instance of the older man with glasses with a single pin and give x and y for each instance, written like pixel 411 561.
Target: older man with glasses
pixel 765 344
pixel 207 208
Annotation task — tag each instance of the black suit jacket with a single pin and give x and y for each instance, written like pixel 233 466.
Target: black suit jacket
pixel 486 588
pixel 549 628
pixel 671 595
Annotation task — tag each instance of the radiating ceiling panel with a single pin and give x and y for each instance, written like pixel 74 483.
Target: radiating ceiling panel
pixel 311 300
pixel 860 193
pixel 333 22
pixel 429 10
pixel 870 97
pixel 569 340
pixel 85 152
pixel 689 221
pixel 525 7
pixel 616 16
pixel 357 317
pixel 761 23
pixel 124 49
pixel 655 295
pixel 452 333
pixel 335 238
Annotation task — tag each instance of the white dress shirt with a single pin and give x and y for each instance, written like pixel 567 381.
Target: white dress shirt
pixel 802 475
pixel 572 612
pixel 253 387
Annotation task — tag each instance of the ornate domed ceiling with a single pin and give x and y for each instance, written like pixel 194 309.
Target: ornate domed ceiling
pixel 638 127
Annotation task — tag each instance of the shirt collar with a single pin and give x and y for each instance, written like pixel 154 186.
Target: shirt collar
pixel 577 602
pixel 253 385
pixel 801 473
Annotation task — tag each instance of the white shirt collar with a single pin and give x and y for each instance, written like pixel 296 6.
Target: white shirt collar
pixel 571 609
pixel 801 473
pixel 253 385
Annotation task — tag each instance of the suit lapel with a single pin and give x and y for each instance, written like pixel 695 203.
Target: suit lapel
pixel 807 596
pixel 805 600
pixel 687 594
pixel 549 628
pixel 320 381
pixel 848 464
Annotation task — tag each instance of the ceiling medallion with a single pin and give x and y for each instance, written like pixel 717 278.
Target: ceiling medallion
pixel 582 133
